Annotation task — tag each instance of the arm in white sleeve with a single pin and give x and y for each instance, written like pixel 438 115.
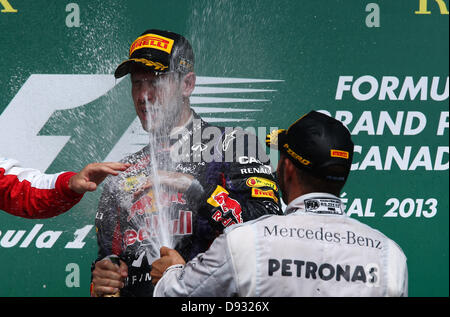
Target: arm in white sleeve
pixel 209 274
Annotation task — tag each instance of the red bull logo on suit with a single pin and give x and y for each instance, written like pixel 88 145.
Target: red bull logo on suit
pixel 220 198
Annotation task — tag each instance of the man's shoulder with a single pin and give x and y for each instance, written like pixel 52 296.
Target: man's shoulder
pixel 139 162
pixel 248 225
pixel 374 231
pixel 135 157
pixel 233 137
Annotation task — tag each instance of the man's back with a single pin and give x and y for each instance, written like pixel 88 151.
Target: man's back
pixel 315 251
pixel 316 254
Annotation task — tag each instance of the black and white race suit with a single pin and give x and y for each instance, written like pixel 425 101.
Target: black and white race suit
pixel 314 250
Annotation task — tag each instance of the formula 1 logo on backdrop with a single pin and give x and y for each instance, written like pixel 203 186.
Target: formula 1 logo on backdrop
pixel 42 95
pixel 423 7
pixel 7 8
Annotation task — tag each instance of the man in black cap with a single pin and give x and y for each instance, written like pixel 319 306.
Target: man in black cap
pixel 315 250
pixel 176 185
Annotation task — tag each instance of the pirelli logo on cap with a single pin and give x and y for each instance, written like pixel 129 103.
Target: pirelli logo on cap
pixel 295 155
pixel 341 154
pixel 146 62
pixel 259 193
pixel 157 42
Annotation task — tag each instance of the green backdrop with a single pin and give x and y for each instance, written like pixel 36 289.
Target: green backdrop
pixel 381 67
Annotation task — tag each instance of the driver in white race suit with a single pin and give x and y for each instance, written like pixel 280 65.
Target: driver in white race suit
pixel 313 250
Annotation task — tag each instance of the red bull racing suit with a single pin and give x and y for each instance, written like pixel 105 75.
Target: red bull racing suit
pixel 126 225
pixel 315 250
pixel 28 193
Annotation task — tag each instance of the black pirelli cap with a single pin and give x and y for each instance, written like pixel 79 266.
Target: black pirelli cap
pixel 316 143
pixel 160 51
